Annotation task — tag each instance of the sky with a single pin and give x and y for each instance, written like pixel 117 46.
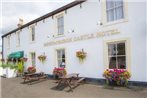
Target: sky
pixel 12 10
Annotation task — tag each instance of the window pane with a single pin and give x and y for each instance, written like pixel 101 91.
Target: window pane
pixel 118 2
pixel 112 62
pixel 18 36
pixel 33 33
pixel 121 49
pixel 59 53
pixel 33 59
pixel 109 4
pixel 110 15
pixel 60 23
pixel 61 58
pixel 60 30
pixel 114 10
pixel 119 12
pixel 112 49
pixel 121 62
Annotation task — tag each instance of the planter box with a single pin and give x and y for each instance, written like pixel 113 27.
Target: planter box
pixel 11 73
pixel 114 83
pixel 1 71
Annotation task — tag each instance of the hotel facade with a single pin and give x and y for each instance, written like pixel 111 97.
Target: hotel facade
pixel 111 34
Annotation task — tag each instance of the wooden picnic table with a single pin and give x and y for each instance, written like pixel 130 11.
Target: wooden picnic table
pixel 34 76
pixel 69 80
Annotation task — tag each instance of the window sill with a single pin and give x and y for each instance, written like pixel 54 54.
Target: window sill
pixel 114 22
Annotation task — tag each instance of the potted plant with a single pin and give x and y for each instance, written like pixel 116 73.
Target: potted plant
pixel 117 77
pixel 3 68
pixel 11 70
pixel 42 58
pixel 31 69
pixel 58 72
pixel 81 55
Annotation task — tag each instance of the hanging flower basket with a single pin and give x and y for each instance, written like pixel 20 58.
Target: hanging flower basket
pixel 42 58
pixel 81 55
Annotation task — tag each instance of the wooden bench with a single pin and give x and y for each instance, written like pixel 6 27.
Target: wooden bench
pixel 71 80
pixel 80 80
pixel 34 77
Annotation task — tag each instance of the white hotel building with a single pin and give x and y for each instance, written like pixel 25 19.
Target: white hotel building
pixel 111 33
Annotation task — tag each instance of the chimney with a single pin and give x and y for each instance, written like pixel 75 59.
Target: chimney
pixel 20 23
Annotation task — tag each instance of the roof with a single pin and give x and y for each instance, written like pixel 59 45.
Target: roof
pixel 72 4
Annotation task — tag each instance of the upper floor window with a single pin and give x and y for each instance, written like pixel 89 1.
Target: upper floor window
pixel 18 38
pixel 60 25
pixel 8 41
pixel 114 10
pixel 32 28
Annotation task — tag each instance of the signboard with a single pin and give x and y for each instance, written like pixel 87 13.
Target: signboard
pixel 83 37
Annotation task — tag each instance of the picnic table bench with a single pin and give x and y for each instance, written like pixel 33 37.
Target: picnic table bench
pixel 71 80
pixel 34 77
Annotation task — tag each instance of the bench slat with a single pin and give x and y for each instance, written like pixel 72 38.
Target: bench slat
pixel 81 79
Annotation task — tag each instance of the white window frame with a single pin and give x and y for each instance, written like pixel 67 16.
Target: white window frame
pixel 104 14
pixel 114 9
pixel 56 24
pixel 61 57
pixel 31 33
pixel 31 56
pixel 117 55
pixel 128 53
pixel 8 42
pixel 18 38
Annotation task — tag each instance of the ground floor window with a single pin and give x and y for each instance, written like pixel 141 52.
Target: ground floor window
pixel 117 55
pixel 61 58
pixel 33 58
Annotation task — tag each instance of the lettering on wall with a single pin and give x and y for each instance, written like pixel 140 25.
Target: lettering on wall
pixel 83 37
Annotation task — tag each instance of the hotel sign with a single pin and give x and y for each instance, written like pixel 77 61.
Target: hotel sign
pixel 83 37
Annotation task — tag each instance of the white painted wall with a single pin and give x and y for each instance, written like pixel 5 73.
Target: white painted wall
pixel 84 21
